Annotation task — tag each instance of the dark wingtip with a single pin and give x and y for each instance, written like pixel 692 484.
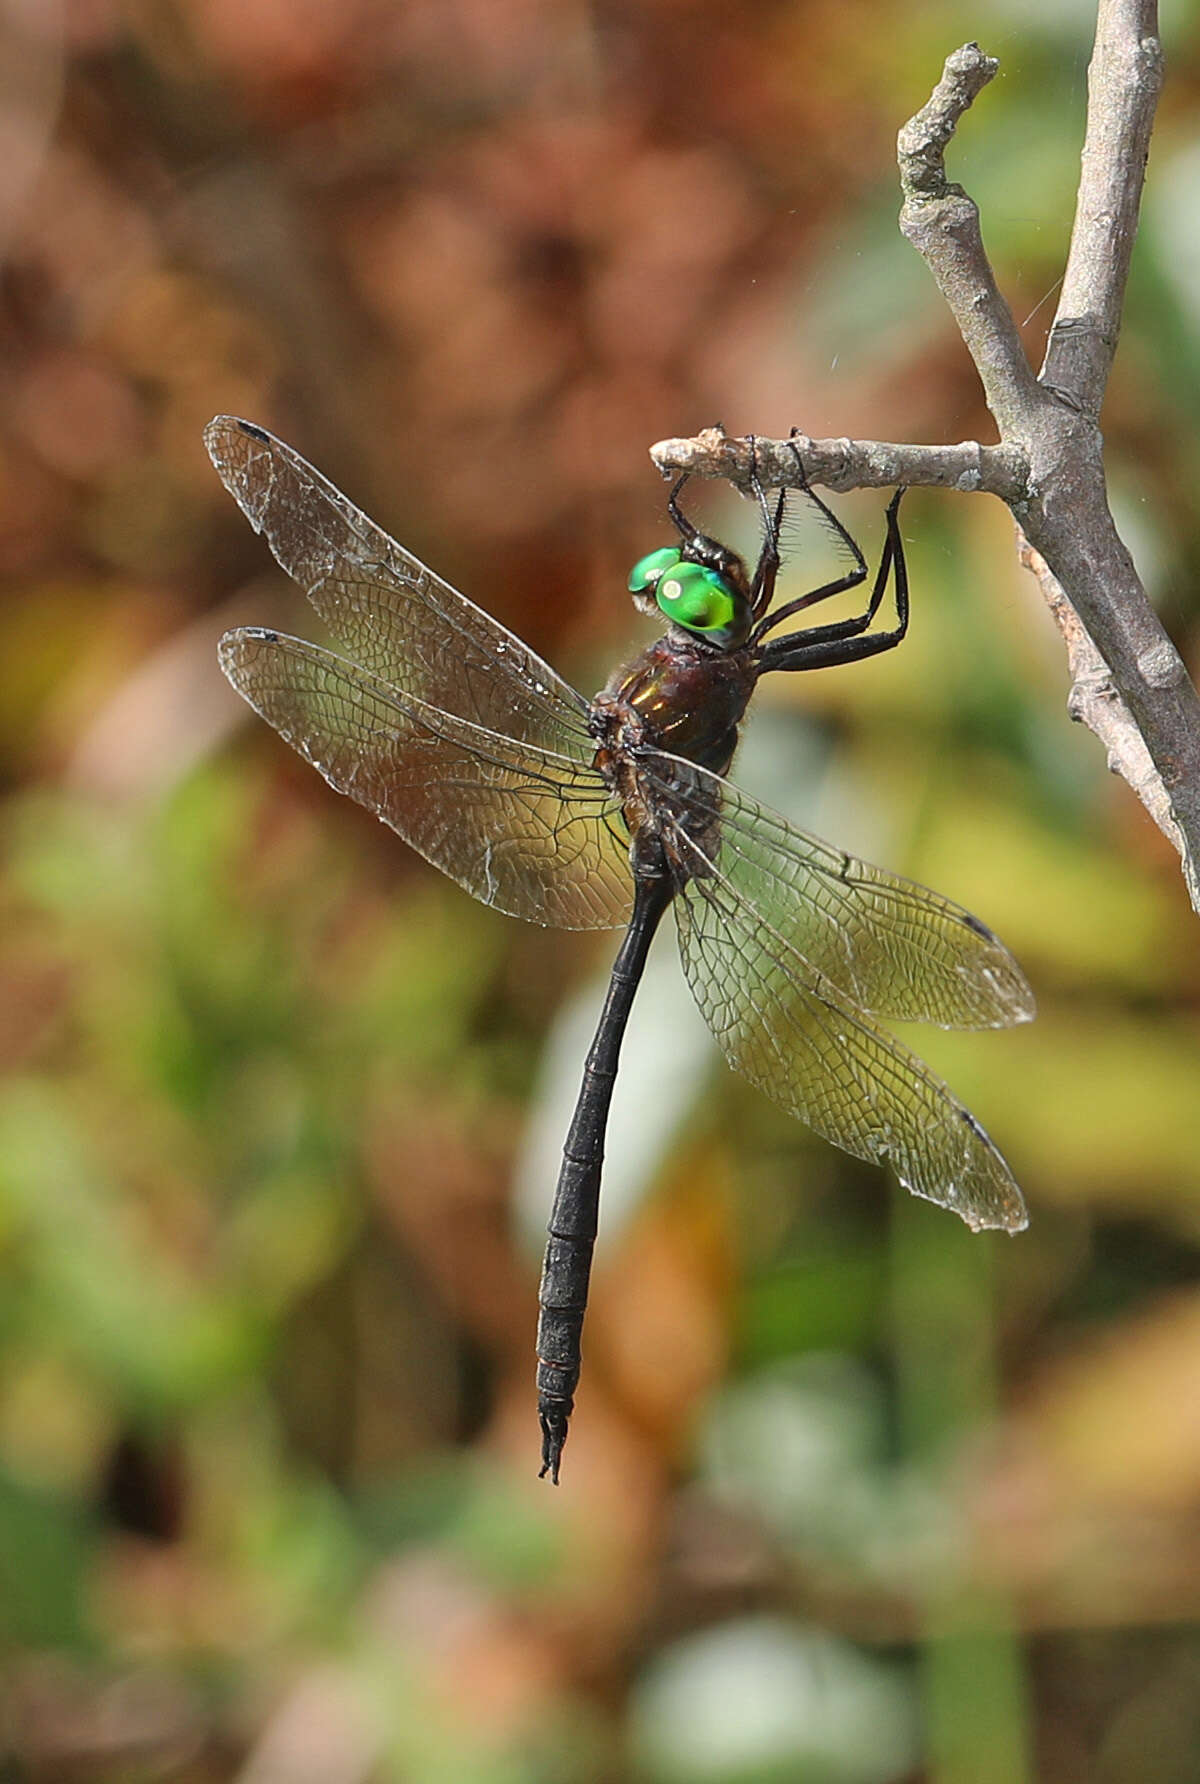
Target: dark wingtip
pixel 1019 1003
pixel 221 423
pixel 260 635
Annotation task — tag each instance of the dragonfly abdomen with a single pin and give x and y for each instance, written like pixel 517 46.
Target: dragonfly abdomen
pixel 567 1266
pixel 562 1299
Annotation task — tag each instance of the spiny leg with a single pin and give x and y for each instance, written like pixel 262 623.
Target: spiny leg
pixel 699 548
pixel 706 550
pixel 839 526
pixel 838 586
pixel 762 586
pixel 843 641
pixel 683 526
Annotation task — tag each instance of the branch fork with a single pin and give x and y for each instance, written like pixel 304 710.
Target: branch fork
pixel 1129 685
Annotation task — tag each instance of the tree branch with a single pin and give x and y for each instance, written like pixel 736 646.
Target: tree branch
pixel 848 464
pixel 1124 81
pixel 1129 683
pixel 942 223
pixel 1094 701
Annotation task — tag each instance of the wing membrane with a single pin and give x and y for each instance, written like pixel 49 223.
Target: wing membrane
pixel 532 833
pixel 400 620
pixel 888 945
pixel 793 1034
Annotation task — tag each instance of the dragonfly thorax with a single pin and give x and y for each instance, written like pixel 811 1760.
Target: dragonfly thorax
pixel 676 696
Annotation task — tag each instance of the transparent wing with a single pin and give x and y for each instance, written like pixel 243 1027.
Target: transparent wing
pixel 391 614
pixel 888 945
pixel 787 1028
pixel 532 833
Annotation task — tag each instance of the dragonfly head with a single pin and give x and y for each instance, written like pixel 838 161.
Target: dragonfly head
pixel 701 586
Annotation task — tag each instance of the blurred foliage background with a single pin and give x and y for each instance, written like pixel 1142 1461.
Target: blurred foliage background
pixel 850 1496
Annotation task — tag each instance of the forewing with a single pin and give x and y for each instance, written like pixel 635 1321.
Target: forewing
pixel 531 833
pixel 793 1034
pixel 890 946
pixel 390 613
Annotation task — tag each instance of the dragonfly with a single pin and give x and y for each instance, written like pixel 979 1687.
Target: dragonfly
pixel 601 814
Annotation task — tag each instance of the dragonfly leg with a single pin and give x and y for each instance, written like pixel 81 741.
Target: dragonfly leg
pixel 843 641
pixel 762 585
pixel 683 525
pixel 839 526
pixel 838 586
pixel 699 548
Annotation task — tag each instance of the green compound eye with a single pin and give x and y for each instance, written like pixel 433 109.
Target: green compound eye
pixel 647 570
pixel 695 597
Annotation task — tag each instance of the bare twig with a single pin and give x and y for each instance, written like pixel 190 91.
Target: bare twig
pixel 942 223
pixel 849 464
pixel 1129 684
pixel 1123 87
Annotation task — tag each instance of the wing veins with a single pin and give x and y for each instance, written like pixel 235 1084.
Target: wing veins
pixel 893 946
pixel 930 1137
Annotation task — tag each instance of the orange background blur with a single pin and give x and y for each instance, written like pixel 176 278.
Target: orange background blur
pixel 850 1495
